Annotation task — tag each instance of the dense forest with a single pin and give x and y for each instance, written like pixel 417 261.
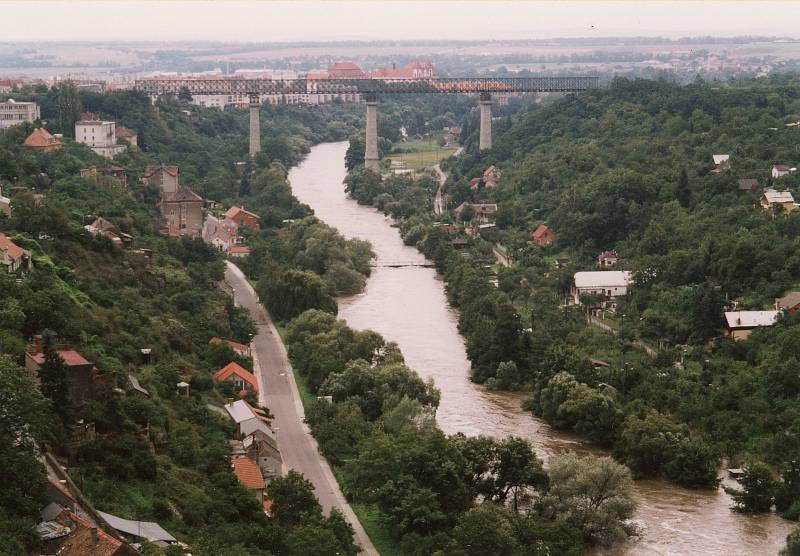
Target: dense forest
pixel 629 169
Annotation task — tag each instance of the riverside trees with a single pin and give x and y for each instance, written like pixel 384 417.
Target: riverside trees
pixel 429 488
pixel 629 168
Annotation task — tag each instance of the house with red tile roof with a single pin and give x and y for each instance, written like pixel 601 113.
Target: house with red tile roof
pixel 241 349
pixel 82 376
pixel 607 258
pixel 491 176
pixel 243 379
pixel 243 217
pixel 85 539
pixel 14 257
pixel 543 235
pixel 239 251
pixel 42 140
pixel 249 474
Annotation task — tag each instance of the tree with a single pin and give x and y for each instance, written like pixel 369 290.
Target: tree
pixel 354 157
pixel 648 443
pixel 684 193
pixel 69 107
pixel 24 418
pixel 595 495
pixel 184 94
pixel 694 464
pixel 516 468
pixel 293 292
pixel 55 383
pixel 792 547
pixel 485 529
pixel 293 500
pixel 758 489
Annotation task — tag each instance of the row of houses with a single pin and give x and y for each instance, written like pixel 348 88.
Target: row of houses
pixel 255 455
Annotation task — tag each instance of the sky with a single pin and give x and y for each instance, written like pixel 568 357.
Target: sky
pixel 270 21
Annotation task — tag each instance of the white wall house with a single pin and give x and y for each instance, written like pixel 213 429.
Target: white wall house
pixel 14 113
pixel 100 136
pixel 780 170
pixel 609 283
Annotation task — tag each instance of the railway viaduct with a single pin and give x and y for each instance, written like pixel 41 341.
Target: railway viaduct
pixel 369 89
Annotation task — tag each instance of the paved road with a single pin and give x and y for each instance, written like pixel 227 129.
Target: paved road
pixel 439 200
pixel 279 393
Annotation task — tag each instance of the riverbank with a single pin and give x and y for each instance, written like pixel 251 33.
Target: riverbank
pixel 408 305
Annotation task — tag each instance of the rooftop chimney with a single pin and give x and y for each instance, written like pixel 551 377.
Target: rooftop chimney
pixel 37 343
pixel 95 536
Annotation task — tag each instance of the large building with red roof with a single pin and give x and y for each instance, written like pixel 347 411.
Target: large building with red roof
pixel 421 69
pixel 346 70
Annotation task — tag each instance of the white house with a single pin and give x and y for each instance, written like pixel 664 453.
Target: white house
pixel 780 170
pixel 98 135
pixel 721 162
pixel 741 323
pixel 609 283
pixel 14 113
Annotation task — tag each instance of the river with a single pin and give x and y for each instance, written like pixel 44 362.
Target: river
pixel 408 305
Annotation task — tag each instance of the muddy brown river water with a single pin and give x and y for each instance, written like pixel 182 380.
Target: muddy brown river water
pixel 408 305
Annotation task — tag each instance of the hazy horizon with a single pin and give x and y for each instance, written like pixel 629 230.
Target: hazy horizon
pixel 241 21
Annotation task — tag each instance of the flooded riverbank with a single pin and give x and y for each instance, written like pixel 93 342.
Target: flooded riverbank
pixel 408 305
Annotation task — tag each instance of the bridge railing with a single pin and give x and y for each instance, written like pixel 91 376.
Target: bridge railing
pixel 160 86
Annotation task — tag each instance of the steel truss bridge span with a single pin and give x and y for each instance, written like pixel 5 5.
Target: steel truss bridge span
pixel 457 85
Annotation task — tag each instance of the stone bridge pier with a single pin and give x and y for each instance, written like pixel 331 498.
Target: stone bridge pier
pixel 486 122
pixel 255 125
pixel 372 159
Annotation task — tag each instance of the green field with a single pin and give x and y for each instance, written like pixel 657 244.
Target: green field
pixel 420 153
pixel 369 517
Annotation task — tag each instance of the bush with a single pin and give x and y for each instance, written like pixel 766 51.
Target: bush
pixel 758 489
